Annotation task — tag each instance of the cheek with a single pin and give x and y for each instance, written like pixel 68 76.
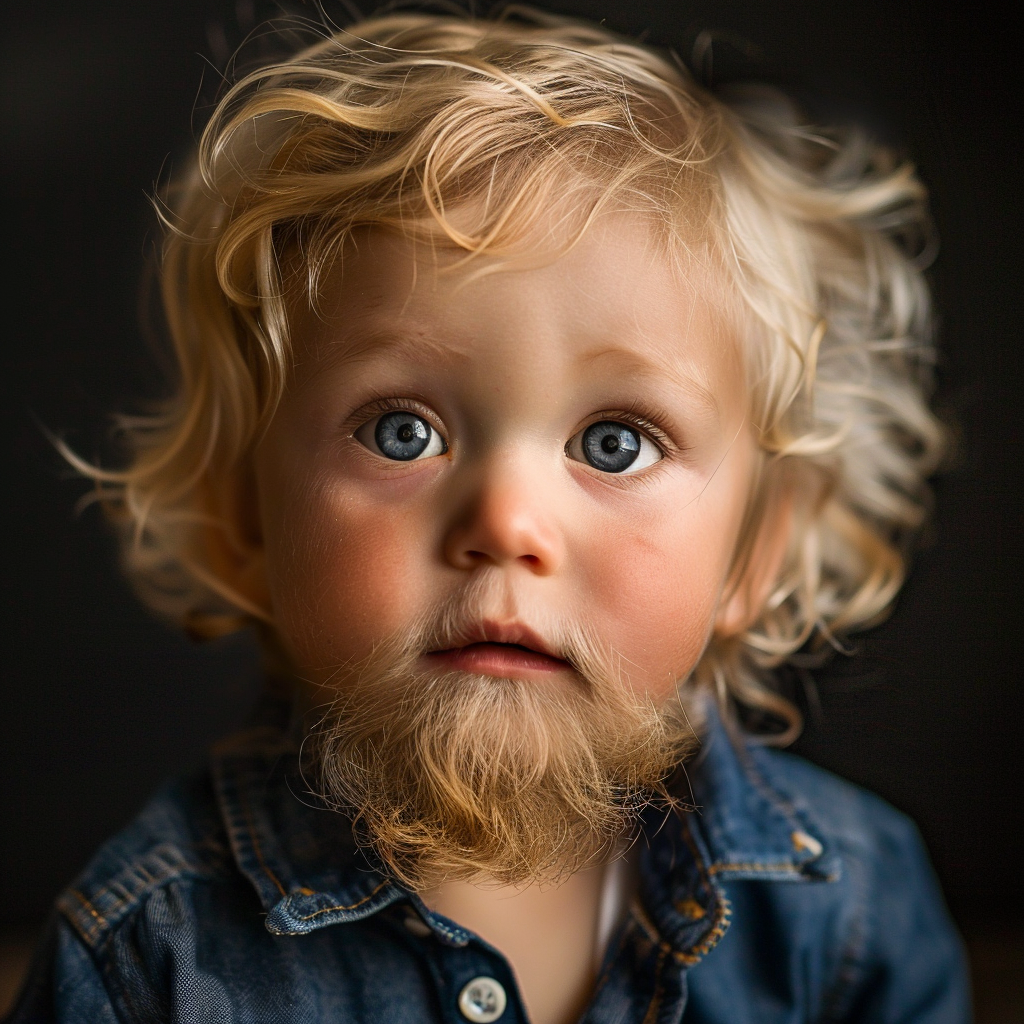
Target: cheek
pixel 659 582
pixel 661 608
pixel 341 573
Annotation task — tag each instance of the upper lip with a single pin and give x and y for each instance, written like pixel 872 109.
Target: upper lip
pixel 490 632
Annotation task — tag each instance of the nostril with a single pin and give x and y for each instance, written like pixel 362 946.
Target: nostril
pixel 507 542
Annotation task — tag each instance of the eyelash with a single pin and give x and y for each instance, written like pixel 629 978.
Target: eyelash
pixel 380 405
pixel 635 415
pixel 643 419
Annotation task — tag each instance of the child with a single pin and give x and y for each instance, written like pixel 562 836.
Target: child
pixel 534 405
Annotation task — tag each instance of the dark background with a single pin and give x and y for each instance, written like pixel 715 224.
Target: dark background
pixel 99 703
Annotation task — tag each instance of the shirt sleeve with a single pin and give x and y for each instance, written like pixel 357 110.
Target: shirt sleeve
pixel 64 984
pixel 909 964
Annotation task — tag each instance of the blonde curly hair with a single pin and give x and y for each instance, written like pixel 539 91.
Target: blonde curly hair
pixel 523 120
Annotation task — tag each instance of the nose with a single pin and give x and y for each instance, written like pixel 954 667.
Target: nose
pixel 508 519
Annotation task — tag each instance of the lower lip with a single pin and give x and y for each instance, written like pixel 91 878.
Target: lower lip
pixel 496 660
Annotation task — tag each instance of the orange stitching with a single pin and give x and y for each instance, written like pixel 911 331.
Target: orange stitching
pixel 786 868
pixel 719 925
pixel 654 937
pixel 779 801
pixel 88 906
pixel 127 895
pixel 723 913
pixel 691 909
pixel 655 1004
pixel 255 842
pixel 352 906
pixel 718 929
pixel 103 890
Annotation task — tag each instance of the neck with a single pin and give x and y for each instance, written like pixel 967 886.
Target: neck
pixel 549 936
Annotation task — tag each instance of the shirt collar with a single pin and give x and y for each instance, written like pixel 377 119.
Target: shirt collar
pixel 308 872
pixel 754 825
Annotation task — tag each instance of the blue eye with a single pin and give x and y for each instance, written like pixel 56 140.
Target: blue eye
pixel 401 436
pixel 613 448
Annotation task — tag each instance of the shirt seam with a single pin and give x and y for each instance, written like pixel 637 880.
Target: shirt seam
pixel 659 991
pixel 785 867
pixel 854 945
pixel 250 826
pixel 778 801
pixel 101 922
pixel 340 906
pixel 126 902
pixel 723 908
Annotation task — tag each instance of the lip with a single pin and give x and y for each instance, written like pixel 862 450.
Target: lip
pixel 501 649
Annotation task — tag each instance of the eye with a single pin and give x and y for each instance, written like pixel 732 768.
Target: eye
pixel 401 436
pixel 613 448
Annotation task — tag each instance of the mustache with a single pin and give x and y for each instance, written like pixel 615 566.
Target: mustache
pixel 487 610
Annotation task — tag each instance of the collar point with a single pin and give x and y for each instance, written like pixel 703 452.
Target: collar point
pixel 305 910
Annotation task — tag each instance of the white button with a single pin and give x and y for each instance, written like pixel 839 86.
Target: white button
pixel 482 1001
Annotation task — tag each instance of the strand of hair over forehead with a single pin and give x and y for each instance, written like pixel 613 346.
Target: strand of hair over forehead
pixel 364 86
pixel 405 121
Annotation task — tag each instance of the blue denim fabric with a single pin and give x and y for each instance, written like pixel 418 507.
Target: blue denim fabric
pixel 787 896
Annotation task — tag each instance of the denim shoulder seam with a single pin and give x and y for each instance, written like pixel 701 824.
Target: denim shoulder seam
pixel 95 910
pixel 768 790
pixel 850 969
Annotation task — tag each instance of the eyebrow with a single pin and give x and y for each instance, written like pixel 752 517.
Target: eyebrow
pixel 638 368
pixel 369 336
pixel 400 339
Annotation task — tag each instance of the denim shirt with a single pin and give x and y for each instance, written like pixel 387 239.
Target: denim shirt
pixel 787 895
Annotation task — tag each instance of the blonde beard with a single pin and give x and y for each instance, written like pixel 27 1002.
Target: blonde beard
pixel 464 777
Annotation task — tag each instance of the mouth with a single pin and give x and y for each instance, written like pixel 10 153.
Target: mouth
pixel 501 651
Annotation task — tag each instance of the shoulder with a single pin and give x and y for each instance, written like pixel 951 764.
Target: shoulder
pixel 767 813
pixel 852 819
pixel 826 881
pixel 876 918
pixel 875 853
pixel 132 923
pixel 177 840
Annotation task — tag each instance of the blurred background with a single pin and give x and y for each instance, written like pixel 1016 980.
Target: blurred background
pixel 98 703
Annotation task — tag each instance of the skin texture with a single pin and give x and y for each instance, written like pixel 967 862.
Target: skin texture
pixel 508 368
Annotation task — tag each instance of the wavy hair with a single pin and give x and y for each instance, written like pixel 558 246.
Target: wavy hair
pixel 530 125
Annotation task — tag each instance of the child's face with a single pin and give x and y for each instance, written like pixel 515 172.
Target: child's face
pixel 440 432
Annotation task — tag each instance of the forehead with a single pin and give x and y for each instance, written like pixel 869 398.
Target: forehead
pixel 617 303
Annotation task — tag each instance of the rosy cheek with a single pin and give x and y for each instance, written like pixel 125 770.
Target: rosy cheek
pixel 657 589
pixel 342 575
